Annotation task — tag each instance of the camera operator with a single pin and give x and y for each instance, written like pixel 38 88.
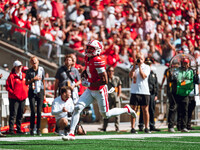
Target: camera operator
pixel 140 94
pixel 62 107
pixel 182 80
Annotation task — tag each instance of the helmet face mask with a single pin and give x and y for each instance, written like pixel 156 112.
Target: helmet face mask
pixel 93 48
pixel 89 51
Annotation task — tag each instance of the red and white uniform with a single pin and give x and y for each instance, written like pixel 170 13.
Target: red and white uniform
pixel 93 67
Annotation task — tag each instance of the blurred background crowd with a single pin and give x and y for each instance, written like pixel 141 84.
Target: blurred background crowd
pixel 158 28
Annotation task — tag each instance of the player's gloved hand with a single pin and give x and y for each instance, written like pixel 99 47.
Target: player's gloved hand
pixel 85 83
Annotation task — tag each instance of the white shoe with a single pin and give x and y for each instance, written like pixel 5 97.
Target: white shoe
pixel 69 137
pixel 171 130
pixel 130 111
pixel 185 130
pixel 61 133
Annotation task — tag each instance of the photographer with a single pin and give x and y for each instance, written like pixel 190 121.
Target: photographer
pixel 140 94
pixel 62 107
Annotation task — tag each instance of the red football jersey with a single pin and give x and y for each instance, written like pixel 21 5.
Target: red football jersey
pixel 92 66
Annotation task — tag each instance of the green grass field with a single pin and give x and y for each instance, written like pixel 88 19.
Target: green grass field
pixel 182 143
pixel 150 143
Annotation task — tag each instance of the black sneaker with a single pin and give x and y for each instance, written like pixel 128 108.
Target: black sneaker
pixel 11 132
pixel 133 131
pixel 39 133
pixel 117 129
pixel 146 130
pixel 154 129
pixel 20 132
pixel 102 129
pixel 140 129
pixel 31 132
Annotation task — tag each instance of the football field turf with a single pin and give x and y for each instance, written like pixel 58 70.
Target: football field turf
pixel 106 141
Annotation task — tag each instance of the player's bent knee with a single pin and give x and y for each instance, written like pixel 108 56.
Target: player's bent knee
pixel 79 107
pixel 105 115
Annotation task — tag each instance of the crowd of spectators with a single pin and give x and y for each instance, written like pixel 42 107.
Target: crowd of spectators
pixel 157 28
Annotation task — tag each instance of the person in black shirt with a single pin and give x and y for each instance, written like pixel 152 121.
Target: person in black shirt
pixel 68 76
pixel 87 9
pixel 35 79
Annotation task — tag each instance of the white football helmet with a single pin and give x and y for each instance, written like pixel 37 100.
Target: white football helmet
pixel 97 48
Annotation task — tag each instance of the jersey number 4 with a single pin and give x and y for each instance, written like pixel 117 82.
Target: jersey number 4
pixel 88 72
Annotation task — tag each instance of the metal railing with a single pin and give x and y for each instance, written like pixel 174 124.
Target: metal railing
pixel 30 43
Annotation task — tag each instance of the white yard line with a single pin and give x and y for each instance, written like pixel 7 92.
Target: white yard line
pixel 121 136
pixel 156 141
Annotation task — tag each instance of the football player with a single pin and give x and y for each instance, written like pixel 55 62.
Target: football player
pixel 95 78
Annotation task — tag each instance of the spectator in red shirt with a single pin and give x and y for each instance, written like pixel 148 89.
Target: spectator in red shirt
pixel 113 59
pixel 17 94
pixel 46 46
pixel 19 34
pixel 177 10
pixel 130 28
pixel 75 39
pixel 58 10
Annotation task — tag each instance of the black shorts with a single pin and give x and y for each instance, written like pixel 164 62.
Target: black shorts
pixel 139 99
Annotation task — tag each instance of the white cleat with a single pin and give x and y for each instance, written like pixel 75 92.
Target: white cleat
pixel 130 111
pixel 69 137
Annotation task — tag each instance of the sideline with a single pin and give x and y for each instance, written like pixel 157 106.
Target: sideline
pixel 132 136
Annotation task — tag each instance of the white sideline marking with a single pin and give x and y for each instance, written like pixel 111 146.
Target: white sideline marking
pixel 121 136
pixel 185 142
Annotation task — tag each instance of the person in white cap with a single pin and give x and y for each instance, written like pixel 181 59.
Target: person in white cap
pixel 17 94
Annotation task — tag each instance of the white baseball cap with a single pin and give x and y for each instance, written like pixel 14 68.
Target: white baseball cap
pixel 17 63
pixel 111 10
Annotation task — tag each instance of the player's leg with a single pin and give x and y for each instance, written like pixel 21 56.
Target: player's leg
pixel 102 99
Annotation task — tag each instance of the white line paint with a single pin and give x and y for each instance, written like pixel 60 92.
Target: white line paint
pixel 121 136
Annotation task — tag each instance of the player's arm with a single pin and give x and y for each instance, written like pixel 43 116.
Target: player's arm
pixel 142 73
pixel 132 72
pixel 84 74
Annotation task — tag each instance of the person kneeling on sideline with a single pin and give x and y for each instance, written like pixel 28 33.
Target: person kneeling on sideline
pixel 62 108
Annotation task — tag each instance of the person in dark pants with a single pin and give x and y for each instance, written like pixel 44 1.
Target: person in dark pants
pixel 167 75
pixel 191 107
pixel 182 86
pixel 153 89
pixel 35 79
pixel 114 97
pixel 17 94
